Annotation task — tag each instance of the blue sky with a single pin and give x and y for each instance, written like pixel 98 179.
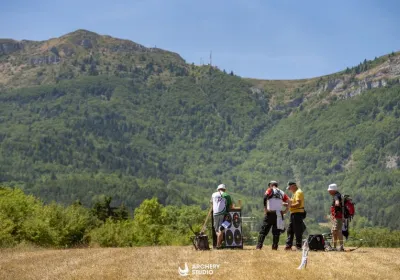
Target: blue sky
pixel 268 39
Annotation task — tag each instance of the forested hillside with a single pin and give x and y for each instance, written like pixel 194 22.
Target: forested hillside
pixel 85 115
pixel 354 143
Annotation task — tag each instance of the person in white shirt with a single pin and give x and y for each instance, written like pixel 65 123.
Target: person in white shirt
pixel 274 199
pixel 222 203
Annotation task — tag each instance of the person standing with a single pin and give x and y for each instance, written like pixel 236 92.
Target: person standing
pixel 296 224
pixel 274 199
pixel 221 203
pixel 336 217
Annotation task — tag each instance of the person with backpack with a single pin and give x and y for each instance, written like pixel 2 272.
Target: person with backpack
pixel 274 199
pixel 336 217
pixel 297 214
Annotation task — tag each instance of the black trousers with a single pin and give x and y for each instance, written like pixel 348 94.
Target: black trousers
pixel 268 222
pixel 295 229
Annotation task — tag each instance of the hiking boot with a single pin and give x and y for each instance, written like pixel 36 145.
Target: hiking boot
pixel 288 248
pixel 274 246
pixel 341 249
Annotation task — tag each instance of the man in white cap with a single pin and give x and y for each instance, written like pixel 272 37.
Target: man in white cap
pixel 336 217
pixel 222 203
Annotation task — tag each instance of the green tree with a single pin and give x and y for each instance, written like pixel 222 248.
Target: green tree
pixel 149 222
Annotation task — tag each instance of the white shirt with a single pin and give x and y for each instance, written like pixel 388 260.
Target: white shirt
pixel 219 203
pixel 275 203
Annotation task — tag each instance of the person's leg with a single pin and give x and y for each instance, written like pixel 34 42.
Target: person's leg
pixel 275 237
pixel 334 238
pixel 214 233
pixel 339 233
pixel 218 220
pixel 263 232
pixel 220 237
pixel 298 229
pixel 290 234
pixel 334 233
pixel 275 231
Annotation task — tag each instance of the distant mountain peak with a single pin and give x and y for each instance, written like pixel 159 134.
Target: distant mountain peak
pixel 80 53
pixel 81 32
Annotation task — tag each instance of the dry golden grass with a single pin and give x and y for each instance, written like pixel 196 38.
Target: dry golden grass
pixel 163 263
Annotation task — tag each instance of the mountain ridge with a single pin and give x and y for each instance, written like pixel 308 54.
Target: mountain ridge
pixel 74 54
pixel 87 39
pixel 83 52
pixel 134 124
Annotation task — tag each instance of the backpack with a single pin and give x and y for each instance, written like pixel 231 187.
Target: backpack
pixel 276 193
pixel 316 242
pixel 348 206
pixel 200 242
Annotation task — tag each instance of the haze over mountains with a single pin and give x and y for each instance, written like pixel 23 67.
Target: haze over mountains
pixel 84 115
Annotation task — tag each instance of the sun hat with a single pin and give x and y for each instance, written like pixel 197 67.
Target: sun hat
pixel 221 187
pixel 332 187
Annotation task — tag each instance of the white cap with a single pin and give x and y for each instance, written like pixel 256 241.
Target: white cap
pixel 273 183
pixel 332 187
pixel 221 187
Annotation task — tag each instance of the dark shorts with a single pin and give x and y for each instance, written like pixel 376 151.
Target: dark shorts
pixel 218 220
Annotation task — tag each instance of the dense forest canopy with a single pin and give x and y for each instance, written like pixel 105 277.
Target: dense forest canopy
pixel 121 120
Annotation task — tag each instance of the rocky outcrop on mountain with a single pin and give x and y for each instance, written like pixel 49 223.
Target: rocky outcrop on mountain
pixel 350 85
pixel 9 46
pixel 51 59
pixel 86 43
pixel 392 162
pixel 333 84
pixel 394 66
pixel 359 86
pixel 382 72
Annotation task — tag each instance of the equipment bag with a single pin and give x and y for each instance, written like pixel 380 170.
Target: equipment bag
pixel 316 242
pixel 200 242
pixel 349 207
